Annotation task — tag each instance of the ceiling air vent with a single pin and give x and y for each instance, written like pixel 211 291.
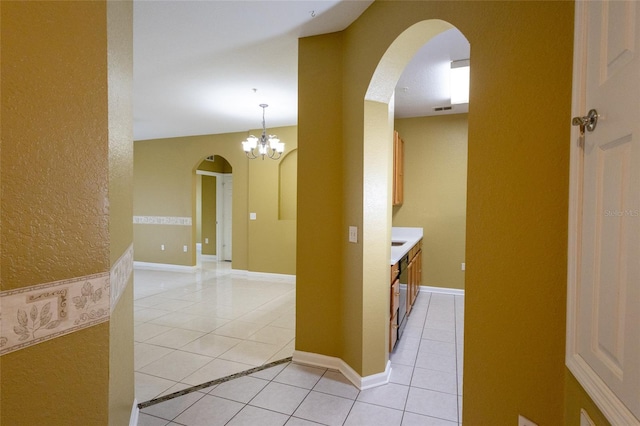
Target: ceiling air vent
pixel 443 108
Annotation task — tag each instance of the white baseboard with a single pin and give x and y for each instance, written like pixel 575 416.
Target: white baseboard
pixel 135 413
pixel 209 257
pixel 334 363
pixel 164 267
pixel 442 290
pixel 265 275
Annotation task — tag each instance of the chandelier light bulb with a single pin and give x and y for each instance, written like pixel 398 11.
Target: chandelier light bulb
pixel 266 146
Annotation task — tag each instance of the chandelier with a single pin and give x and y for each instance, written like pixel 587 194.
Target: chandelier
pixel 269 146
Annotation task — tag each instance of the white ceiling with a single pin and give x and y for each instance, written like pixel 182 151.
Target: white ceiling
pixel 197 63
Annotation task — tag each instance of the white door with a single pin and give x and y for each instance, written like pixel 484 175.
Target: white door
pixel 603 329
pixel 227 218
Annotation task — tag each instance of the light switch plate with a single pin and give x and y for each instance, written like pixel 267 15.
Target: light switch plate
pixel 585 420
pixel 252 216
pixel 353 234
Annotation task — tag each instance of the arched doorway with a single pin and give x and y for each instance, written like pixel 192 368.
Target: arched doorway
pixel 377 158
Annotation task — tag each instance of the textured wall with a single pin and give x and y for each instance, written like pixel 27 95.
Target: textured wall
pixel 55 198
pixel 54 132
pixel 66 106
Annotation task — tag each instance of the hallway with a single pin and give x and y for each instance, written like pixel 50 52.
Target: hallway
pixel 194 327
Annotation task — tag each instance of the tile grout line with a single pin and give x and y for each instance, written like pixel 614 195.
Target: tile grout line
pixel 429 306
pixel 455 346
pixel 286 384
pixel 413 367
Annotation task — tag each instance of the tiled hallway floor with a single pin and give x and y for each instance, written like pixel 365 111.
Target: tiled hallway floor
pixel 194 327
pixel 426 378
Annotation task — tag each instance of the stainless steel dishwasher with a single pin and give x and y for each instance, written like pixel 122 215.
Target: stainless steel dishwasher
pixel 404 282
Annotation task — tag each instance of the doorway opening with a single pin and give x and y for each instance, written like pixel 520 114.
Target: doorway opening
pixel 434 132
pixel 214 191
pixel 434 190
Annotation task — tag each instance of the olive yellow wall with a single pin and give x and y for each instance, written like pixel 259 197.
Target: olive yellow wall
pixel 163 173
pixel 66 201
pixel 435 193
pixel 517 186
pixel 218 165
pixel 288 186
pixel 272 242
pixel 320 271
pixel 165 185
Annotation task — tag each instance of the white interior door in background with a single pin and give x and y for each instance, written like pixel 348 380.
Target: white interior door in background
pixel 227 191
pixel 603 316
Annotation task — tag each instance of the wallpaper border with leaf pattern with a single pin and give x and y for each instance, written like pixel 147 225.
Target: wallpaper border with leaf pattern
pixel 162 220
pixel 35 314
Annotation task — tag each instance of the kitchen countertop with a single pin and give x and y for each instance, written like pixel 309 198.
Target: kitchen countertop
pixel 408 236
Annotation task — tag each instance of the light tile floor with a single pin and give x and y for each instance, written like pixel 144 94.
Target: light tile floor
pixel 426 378
pixel 194 327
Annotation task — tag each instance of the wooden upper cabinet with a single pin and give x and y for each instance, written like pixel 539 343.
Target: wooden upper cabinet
pixel 398 169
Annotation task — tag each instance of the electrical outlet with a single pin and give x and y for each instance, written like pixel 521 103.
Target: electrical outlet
pixel 462 266
pixel 353 234
pixel 184 249
pixel 162 247
pixel 523 421
pixel 206 241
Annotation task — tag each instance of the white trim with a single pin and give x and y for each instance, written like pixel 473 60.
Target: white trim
pixel 209 257
pixel 163 266
pixel 575 170
pixel 334 363
pixel 207 173
pixel 442 290
pixel 272 276
pixel 135 413
pixel 265 275
pixel 198 247
pixel 607 401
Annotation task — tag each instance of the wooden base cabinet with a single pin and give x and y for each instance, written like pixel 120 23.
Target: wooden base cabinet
pixel 414 281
